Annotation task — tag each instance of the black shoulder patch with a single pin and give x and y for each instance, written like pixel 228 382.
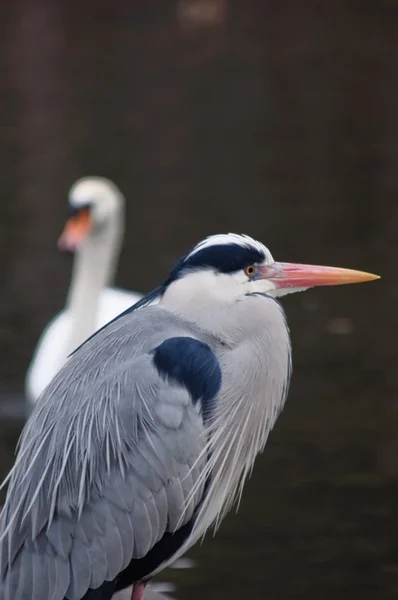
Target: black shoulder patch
pixel 192 364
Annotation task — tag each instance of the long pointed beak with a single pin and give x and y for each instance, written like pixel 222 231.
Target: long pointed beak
pixel 289 275
pixel 76 231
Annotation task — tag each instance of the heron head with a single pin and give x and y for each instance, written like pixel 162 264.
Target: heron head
pixel 93 202
pixel 233 265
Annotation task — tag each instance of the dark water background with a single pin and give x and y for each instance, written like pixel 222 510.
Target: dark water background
pixel 276 118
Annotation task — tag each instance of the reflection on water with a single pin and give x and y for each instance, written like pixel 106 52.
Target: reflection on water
pixel 265 118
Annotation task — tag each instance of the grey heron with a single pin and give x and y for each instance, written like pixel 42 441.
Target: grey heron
pixel 94 231
pixel 144 438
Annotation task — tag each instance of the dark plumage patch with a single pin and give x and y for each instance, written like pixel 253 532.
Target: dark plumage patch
pixel 140 568
pixel 163 550
pixel 74 210
pixel 190 363
pixel 104 592
pixel 226 258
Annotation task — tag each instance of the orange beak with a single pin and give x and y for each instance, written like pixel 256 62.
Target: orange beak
pixel 76 231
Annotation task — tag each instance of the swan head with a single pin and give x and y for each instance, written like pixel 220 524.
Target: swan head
pixel 94 203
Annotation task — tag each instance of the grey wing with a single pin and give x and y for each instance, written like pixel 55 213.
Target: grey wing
pixel 102 486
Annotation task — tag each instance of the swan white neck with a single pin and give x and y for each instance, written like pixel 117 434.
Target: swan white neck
pixel 93 269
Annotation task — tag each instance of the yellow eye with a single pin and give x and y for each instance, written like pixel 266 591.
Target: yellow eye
pixel 250 270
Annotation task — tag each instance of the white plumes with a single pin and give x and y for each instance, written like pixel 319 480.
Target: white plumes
pixel 245 413
pixel 232 238
pixel 232 450
pixel 84 432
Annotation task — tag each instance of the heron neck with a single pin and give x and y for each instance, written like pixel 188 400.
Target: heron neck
pixel 206 300
pixel 255 367
pixel 94 269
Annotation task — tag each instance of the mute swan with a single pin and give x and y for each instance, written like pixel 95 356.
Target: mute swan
pixel 94 231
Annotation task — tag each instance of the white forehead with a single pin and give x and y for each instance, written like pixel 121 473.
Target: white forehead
pixel 233 238
pixel 92 190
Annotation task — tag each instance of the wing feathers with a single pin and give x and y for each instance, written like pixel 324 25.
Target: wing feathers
pixel 99 563
pixel 154 519
pixel 79 570
pixel 103 485
pixel 160 499
pixel 142 529
pixel 60 535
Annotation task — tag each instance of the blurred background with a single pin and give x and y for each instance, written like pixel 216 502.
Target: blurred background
pixel 277 119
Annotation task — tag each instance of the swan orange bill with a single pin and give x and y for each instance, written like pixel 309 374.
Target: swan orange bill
pixel 76 230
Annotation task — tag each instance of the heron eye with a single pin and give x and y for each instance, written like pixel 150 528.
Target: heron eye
pixel 250 270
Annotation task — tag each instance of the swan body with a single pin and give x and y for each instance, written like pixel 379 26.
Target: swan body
pixel 49 355
pixel 94 231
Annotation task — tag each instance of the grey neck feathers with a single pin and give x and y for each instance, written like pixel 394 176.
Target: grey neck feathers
pixel 214 309
pixel 93 269
pixel 255 365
